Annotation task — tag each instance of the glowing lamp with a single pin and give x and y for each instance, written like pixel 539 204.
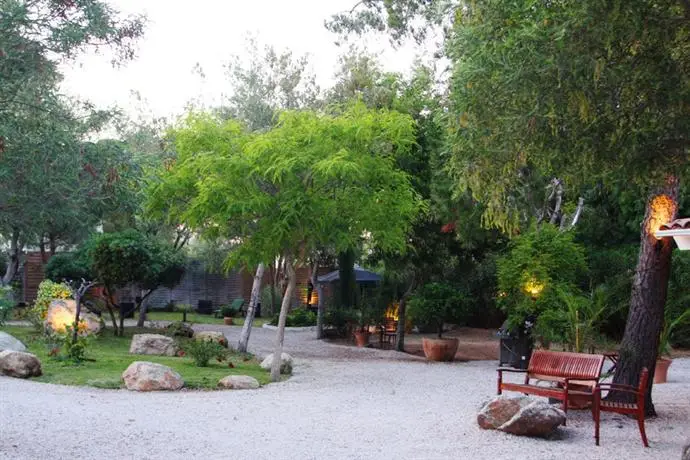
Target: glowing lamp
pixel 533 288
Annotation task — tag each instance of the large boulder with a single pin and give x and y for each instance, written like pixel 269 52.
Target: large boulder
pixel 522 416
pixel 19 364
pixel 146 376
pixel 499 410
pixel 211 336
pixel 61 313
pixel 285 363
pixel 686 451
pixel 239 382
pixel 152 344
pixel 8 342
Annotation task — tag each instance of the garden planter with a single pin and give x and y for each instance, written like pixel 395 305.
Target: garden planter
pixel 227 320
pixel 661 370
pixel 440 349
pixel 361 338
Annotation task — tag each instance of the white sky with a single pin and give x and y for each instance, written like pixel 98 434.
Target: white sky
pixel 180 34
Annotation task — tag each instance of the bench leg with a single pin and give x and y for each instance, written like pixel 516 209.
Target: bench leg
pixel 640 423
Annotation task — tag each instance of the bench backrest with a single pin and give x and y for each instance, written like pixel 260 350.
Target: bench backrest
pixel 564 364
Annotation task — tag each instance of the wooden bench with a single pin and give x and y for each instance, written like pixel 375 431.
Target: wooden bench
pixel 562 370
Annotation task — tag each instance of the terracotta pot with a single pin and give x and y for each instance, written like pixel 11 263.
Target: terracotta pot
pixel 661 370
pixel 227 320
pixel 361 338
pixel 440 349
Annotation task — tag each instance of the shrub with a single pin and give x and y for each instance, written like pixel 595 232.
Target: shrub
pixel 6 304
pixel 202 351
pixel 300 317
pixel 437 303
pixel 267 309
pixel 47 292
pixel 228 311
pixel 339 319
pixel 179 329
pixel 73 350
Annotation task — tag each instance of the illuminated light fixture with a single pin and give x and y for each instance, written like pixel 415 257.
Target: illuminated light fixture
pixel 679 229
pixel 534 287
pixel 662 210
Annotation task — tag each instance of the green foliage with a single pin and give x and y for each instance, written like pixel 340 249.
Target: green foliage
pixel 312 181
pixel 202 351
pixel 75 349
pixel 179 329
pixel 133 257
pixel 300 317
pixel 340 319
pixel 109 357
pixel 540 266
pixel 670 324
pixel 534 96
pixel 267 309
pixel 576 321
pixel 47 291
pixel 678 303
pixel 228 311
pixel 6 303
pixel 437 303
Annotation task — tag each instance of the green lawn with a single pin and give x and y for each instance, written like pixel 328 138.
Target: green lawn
pixel 199 319
pixel 109 357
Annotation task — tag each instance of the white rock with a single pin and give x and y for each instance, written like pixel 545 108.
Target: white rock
pixel 8 342
pixel 285 363
pixel 146 376
pixel 61 313
pixel 19 364
pixel 239 382
pixel 152 344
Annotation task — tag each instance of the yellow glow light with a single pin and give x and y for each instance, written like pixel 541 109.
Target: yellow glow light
pixel 534 287
pixel 662 210
pixel 392 311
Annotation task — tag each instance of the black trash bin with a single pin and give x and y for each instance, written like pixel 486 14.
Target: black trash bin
pixel 515 348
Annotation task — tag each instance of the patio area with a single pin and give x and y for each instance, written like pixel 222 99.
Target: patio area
pixel 342 402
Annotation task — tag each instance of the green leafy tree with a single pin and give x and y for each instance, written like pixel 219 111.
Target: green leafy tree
pixel 312 181
pixel 40 134
pixel 533 94
pixel 120 259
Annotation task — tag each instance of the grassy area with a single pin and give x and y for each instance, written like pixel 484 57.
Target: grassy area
pixel 108 356
pixel 199 319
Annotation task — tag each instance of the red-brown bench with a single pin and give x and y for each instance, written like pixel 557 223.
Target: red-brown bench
pixel 563 369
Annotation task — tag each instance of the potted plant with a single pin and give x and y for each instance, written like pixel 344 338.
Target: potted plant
pixel 663 361
pixel 365 316
pixel 228 313
pixel 435 304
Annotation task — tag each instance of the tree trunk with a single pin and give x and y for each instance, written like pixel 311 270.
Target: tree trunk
pixel 143 309
pixel 251 309
pixel 109 305
pixel 402 319
pixel 75 326
pixel 645 319
pixel 13 264
pixel 52 244
pixel 280 334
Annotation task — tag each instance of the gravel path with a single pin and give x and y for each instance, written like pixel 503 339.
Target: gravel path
pixel 339 404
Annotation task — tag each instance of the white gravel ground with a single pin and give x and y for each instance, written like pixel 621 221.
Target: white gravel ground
pixel 339 404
